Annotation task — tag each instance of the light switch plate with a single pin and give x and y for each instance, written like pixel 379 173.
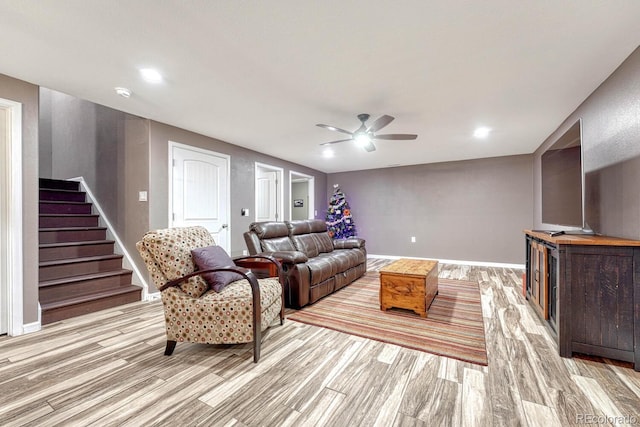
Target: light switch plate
pixel 142 196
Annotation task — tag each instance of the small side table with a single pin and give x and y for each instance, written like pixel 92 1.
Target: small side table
pixel 259 266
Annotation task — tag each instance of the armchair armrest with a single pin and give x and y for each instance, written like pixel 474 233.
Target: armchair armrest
pixel 244 272
pixel 350 243
pixel 250 262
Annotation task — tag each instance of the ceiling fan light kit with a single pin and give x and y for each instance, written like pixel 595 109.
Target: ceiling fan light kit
pixel 364 136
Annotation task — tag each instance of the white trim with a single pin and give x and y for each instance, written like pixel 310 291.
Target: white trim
pixel 170 186
pixel 458 262
pixel 311 180
pixel 280 172
pixel 138 278
pixel 12 176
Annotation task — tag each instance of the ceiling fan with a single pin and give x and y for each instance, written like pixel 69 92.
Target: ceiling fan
pixel 365 135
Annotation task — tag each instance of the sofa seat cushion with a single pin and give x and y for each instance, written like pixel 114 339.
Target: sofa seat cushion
pixel 229 313
pixel 350 257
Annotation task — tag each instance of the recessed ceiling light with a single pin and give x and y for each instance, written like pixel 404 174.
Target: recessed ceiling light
pixel 151 75
pixel 328 153
pixel 481 132
pixel 123 92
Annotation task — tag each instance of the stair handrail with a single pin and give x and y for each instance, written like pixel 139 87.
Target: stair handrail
pixel 140 278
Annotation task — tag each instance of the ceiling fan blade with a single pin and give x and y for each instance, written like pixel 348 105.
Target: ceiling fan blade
pixel 335 142
pixel 370 147
pixel 334 128
pixel 396 136
pixel 379 123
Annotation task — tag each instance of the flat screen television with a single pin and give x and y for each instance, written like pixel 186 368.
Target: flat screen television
pixel 563 182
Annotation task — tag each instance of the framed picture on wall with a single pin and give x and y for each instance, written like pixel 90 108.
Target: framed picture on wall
pixel 298 203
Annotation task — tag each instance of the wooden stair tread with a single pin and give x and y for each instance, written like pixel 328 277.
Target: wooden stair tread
pixel 63 202
pixel 79 243
pixel 83 228
pixel 91 297
pixel 79 270
pixel 83 277
pixel 80 259
pixel 61 190
pixel 66 215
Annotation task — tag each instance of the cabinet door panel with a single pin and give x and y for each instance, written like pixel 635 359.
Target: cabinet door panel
pixel 625 295
pixel 578 298
pixel 608 295
pixel 602 300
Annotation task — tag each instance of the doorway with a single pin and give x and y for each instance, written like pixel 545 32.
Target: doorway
pixel 269 189
pixel 199 191
pixel 11 264
pixel 302 196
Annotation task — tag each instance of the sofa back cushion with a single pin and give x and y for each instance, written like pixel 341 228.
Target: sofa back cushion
pixel 323 242
pixel 306 244
pixel 310 237
pixel 274 236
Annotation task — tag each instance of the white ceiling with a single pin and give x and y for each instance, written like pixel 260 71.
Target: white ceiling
pixel 261 74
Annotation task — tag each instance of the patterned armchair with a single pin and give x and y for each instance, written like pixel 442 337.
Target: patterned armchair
pixel 195 313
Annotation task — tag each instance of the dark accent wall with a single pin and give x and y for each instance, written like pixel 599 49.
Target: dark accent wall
pixel 473 210
pixel 27 95
pixel 242 178
pixel 611 153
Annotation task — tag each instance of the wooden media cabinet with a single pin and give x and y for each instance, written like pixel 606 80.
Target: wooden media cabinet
pixel 587 289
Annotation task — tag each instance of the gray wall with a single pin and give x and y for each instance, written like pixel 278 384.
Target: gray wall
pixel 242 178
pixel 611 153
pixel 471 210
pixel 119 154
pixel 27 94
pixel 108 148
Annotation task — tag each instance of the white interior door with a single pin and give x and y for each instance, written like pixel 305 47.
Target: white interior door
pixel 11 262
pixel 4 256
pixel 199 192
pixel 268 193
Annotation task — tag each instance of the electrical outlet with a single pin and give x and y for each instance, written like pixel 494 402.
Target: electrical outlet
pixel 245 252
pixel 413 239
pixel 142 196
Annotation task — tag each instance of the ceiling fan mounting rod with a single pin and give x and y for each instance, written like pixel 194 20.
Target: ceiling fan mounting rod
pixel 363 117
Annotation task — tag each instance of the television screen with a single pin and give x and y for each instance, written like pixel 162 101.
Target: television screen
pixel 562 194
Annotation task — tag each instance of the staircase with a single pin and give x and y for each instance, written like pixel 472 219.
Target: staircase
pixel 79 272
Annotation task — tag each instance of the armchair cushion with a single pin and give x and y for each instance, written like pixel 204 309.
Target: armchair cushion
pixel 215 257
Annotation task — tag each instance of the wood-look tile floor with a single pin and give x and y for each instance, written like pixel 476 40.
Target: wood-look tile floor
pixel 108 369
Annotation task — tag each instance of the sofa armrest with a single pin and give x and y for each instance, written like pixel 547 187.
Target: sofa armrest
pixel 287 257
pixel 350 243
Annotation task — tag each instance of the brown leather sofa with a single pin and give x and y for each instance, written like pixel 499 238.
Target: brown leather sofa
pixel 315 265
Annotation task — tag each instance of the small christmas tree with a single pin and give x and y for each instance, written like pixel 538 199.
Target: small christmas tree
pixel 339 221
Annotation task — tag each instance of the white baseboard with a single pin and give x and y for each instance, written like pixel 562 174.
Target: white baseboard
pixel 458 262
pixel 31 327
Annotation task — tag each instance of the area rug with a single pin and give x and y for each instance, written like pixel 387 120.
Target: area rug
pixel 453 328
